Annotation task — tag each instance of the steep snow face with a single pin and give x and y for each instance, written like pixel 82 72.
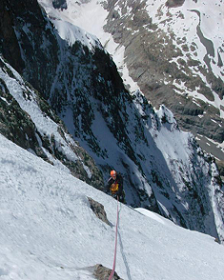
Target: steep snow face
pixel 68 31
pixel 48 230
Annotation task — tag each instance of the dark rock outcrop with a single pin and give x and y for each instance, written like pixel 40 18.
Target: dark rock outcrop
pixel 99 211
pixel 174 3
pixel 59 4
pixel 103 273
pixel 26 40
pixel 9 45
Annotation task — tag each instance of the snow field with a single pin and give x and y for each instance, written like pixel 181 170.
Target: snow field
pixel 48 230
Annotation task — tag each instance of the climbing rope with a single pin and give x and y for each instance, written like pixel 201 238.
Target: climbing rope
pixel 115 248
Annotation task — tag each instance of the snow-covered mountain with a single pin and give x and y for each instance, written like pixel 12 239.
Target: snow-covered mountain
pixel 163 167
pixel 172 49
pixel 49 231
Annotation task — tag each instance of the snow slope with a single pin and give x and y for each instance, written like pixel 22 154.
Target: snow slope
pixel 48 230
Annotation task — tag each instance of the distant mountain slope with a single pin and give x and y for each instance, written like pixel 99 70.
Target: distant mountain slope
pixel 163 168
pixel 173 50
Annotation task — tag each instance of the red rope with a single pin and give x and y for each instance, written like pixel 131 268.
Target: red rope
pixel 115 248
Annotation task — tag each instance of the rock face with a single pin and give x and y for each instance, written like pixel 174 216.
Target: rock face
pixel 27 39
pixel 59 4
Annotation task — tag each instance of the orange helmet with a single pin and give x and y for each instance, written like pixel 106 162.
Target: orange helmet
pixel 113 173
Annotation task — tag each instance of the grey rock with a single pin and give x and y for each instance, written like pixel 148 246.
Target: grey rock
pixel 174 3
pixel 103 273
pixel 99 211
pixel 59 4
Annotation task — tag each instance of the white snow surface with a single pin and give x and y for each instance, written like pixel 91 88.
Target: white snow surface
pixel 67 30
pixel 48 230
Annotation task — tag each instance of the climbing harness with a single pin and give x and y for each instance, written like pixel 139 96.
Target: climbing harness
pixel 115 248
pixel 114 188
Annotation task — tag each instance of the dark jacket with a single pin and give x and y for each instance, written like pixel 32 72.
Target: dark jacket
pixel 115 187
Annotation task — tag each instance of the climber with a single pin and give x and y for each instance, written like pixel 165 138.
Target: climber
pixel 115 186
